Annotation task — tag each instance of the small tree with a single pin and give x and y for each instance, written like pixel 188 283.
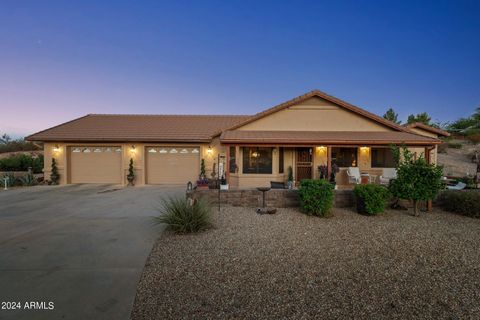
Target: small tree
pixel 416 179
pixel 202 169
pixel 391 115
pixel 131 173
pixel 54 175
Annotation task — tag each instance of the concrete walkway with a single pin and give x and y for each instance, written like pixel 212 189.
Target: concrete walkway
pixel 82 247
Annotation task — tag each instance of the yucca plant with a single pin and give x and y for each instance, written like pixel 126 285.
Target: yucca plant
pixel 28 180
pixel 183 217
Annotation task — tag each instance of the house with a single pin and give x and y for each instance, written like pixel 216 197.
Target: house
pixel 308 131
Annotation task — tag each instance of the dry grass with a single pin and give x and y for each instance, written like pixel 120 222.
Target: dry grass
pixel 288 265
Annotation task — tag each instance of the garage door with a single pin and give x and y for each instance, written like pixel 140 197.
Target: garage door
pixel 96 164
pixel 172 165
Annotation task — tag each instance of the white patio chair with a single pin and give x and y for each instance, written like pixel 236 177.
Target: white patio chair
pixel 458 186
pixel 387 175
pixel 353 174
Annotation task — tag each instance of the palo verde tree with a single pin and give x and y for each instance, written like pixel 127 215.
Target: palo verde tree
pixel 416 179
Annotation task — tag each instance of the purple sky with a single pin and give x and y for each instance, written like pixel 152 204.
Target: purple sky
pixel 63 59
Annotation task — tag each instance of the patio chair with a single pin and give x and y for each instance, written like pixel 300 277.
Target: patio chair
pixel 458 186
pixel 353 174
pixel 387 175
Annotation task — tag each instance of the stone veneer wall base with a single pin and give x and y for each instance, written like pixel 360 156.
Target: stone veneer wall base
pixel 277 198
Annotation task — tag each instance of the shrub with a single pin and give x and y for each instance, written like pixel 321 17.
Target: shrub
pixel 182 217
pixel 21 162
pixel 475 138
pixel 463 202
pixel 454 145
pixel 316 197
pixel 371 198
pixel 54 175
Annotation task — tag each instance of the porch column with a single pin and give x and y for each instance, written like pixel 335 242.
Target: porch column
pixel 428 160
pixel 329 162
pixel 227 164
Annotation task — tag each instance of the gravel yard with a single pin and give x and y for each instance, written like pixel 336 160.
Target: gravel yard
pixel 289 265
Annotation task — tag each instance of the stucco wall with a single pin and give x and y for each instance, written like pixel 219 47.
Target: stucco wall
pixel 315 114
pixel 138 156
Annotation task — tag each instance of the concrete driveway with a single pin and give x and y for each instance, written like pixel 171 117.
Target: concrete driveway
pixel 82 247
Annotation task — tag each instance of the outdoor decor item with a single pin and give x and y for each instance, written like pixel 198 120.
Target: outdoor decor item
pixel 264 209
pixel 131 173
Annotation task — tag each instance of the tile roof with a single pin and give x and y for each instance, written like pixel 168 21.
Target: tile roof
pixel 428 128
pixel 325 137
pixel 126 128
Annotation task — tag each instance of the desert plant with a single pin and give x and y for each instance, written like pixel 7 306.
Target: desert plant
pixel 463 202
pixel 416 179
pixel 316 197
pixel 12 181
pixel 54 175
pixel 371 198
pixel 28 180
pixel 183 217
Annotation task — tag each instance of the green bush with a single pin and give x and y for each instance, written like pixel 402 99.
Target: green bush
pixel 371 198
pixel 21 162
pixel 316 197
pixel 466 202
pixel 182 217
pixel 454 145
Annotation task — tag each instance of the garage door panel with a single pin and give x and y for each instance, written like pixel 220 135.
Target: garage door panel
pixel 96 165
pixel 172 165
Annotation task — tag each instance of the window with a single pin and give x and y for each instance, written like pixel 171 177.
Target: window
pixel 232 162
pixel 382 158
pixel 257 160
pixel 344 157
pixel 280 160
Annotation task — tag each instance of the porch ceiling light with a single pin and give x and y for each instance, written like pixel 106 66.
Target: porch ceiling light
pixel 364 149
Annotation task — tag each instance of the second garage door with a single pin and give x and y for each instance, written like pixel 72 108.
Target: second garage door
pixel 96 164
pixel 172 165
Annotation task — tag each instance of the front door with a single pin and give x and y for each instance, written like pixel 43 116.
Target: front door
pixel 304 163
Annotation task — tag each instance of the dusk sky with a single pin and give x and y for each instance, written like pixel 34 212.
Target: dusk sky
pixel 63 59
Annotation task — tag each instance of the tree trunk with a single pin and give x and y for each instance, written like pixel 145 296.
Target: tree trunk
pixel 415 208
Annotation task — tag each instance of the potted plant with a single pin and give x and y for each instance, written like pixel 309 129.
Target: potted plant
pixel 290 178
pixel 323 171
pixel 54 175
pixel 202 182
pixel 131 174
pixel 333 174
pixel 223 183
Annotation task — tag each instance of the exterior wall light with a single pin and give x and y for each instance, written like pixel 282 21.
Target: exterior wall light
pixel 209 150
pixel 132 149
pixel 56 148
pixel 364 149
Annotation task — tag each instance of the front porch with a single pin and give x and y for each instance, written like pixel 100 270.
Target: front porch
pixel 251 166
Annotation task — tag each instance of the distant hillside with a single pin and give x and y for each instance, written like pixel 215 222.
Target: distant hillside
pixel 457 160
